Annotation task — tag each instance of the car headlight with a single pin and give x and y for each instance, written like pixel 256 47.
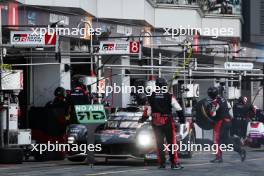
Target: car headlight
pixel 71 140
pixel 144 139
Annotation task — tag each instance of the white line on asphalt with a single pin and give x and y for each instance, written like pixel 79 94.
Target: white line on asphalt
pixel 116 172
pixel 38 172
pixel 234 161
pixel 252 159
pixel 197 164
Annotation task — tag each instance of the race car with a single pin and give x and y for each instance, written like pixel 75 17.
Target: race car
pixel 123 137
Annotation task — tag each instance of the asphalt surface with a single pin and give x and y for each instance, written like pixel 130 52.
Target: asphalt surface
pixel 199 166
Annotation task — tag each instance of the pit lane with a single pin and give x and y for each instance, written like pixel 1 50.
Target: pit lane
pixel 199 165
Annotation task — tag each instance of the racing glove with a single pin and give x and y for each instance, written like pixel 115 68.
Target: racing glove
pixel 145 115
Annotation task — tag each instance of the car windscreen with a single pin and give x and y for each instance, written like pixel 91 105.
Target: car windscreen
pixel 123 122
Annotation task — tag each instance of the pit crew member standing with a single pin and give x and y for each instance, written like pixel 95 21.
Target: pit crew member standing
pixel 243 113
pixel 160 109
pixel 61 100
pixel 79 96
pixel 220 117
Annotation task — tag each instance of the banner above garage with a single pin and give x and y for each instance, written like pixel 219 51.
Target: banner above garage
pixel 238 66
pixel 132 47
pixel 29 38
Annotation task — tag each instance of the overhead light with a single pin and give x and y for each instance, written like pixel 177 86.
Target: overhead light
pixel 4 52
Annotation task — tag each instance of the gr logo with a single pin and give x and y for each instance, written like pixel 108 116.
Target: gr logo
pixel 91 116
pixel 98 115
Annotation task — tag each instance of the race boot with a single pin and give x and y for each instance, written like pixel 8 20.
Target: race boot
pixel 217 160
pixel 177 166
pixel 243 155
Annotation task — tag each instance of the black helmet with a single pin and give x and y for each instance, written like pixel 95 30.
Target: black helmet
pixel 81 81
pixel 213 92
pixel 161 82
pixel 60 92
pixel 78 81
pixel 243 100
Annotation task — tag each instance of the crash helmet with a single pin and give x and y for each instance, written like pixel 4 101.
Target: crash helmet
pixel 60 92
pixel 243 100
pixel 79 81
pixel 213 92
pixel 161 82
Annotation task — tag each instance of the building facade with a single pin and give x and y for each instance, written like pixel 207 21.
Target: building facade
pixel 219 26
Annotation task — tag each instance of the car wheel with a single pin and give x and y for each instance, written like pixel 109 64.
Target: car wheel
pixel 40 157
pixel 11 155
pixel 149 161
pixel 255 144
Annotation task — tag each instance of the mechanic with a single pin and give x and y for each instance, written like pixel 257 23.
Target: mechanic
pixel 61 97
pixel 163 124
pixel 61 100
pixel 243 113
pixel 79 96
pixel 220 118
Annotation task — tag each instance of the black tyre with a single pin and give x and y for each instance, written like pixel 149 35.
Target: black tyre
pixel 11 156
pixel 255 144
pixel 57 156
pixel 40 157
pixel 149 161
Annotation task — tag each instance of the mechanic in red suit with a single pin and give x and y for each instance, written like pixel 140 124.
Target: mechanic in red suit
pixel 160 109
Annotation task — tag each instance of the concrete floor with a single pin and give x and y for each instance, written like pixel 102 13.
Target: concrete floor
pixel 199 166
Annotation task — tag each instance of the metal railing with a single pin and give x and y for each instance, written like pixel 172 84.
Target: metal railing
pixel 224 7
pixel 178 2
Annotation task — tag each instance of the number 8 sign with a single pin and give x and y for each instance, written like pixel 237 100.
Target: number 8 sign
pixel 134 47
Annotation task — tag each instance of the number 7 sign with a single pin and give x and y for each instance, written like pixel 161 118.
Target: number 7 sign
pixel 50 39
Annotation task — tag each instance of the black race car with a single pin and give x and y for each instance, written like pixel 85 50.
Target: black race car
pixel 123 137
